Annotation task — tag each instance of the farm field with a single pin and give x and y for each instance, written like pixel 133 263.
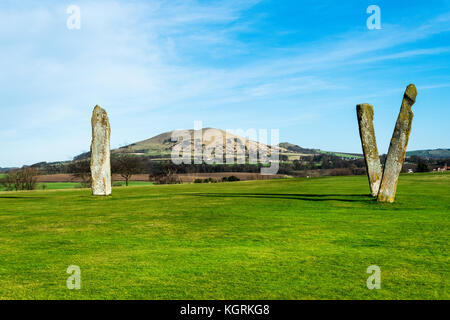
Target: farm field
pixel 58 185
pixel 272 239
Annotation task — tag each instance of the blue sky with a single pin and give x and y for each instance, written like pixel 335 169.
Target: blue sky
pixel 297 66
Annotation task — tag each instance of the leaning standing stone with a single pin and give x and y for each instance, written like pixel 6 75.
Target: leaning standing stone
pixel 100 153
pixel 369 145
pixel 397 148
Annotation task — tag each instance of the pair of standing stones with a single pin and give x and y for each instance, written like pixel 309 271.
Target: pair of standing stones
pixel 383 183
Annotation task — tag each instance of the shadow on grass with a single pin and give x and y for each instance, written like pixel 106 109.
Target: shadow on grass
pixel 17 197
pixel 292 196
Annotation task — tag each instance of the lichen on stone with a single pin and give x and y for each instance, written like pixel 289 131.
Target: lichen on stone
pixel 100 152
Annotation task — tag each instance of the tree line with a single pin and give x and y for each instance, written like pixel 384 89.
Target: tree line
pixel 165 172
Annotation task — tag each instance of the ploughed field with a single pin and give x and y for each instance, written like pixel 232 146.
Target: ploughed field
pixel 274 239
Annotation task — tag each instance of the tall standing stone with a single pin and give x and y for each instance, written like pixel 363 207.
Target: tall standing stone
pixel 397 148
pixel 100 153
pixel 369 145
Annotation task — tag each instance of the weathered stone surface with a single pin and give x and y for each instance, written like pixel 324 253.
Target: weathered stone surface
pixel 369 145
pixel 100 153
pixel 397 148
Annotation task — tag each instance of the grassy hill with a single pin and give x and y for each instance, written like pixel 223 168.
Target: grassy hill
pixel 343 154
pixel 162 144
pixel 276 239
pixel 293 148
pixel 433 154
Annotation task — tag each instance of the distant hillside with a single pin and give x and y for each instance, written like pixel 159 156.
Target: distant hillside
pixel 4 170
pixel 162 144
pixel 432 154
pixel 343 154
pixel 296 149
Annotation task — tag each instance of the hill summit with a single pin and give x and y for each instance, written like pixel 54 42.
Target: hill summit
pixel 162 144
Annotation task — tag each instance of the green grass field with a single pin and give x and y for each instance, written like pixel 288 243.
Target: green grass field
pixel 59 185
pixel 342 155
pixel 274 239
pixel 74 185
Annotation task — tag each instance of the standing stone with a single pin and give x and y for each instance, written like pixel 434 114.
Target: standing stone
pixel 397 148
pixel 100 153
pixel 369 145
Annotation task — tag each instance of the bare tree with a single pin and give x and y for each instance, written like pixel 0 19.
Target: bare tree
pixel 126 165
pixel 21 179
pixel 164 173
pixel 81 169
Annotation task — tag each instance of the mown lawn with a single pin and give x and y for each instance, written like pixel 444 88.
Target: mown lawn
pixel 58 185
pixel 74 185
pixel 275 239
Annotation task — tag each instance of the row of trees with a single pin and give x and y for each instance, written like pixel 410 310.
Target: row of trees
pixel 426 165
pixel 162 171
pixel 165 172
pixel 27 178
pixel 20 179
pixel 125 165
